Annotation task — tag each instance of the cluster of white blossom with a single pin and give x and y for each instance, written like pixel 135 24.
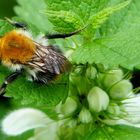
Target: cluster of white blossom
pixel 93 96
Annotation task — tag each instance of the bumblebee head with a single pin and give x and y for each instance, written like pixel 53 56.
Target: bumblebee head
pixel 16 46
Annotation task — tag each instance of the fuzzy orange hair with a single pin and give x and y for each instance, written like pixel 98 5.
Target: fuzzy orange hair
pixel 16 47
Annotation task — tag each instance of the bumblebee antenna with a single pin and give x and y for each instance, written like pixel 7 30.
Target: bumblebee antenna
pixel 16 24
pixel 57 35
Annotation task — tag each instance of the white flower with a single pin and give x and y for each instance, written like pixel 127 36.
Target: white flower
pixel 130 113
pixel 132 108
pixel 25 119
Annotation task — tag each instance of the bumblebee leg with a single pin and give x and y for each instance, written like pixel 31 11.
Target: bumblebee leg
pixel 16 24
pixel 9 79
pixel 55 36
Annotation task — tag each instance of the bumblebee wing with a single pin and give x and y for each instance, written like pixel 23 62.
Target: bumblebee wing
pixel 48 59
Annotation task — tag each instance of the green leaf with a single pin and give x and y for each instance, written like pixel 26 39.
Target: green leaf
pixel 59 18
pixel 114 133
pixel 120 49
pixel 128 17
pixel 65 17
pixel 102 52
pixel 37 95
pixel 99 132
pixel 31 12
pixel 98 19
pixel 68 15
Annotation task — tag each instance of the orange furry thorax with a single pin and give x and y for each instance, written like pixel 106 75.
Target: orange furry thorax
pixel 16 48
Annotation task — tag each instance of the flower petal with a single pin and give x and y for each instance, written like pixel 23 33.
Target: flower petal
pixel 46 133
pixel 22 120
pixel 120 122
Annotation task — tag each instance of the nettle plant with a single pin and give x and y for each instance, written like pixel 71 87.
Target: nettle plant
pixel 96 100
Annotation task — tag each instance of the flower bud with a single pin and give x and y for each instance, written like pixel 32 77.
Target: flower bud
pixel 81 83
pixel 98 99
pixel 91 72
pixel 101 67
pixel 74 78
pixel 112 77
pixel 121 90
pixel 78 70
pixel 113 109
pixel 85 116
pixel 69 107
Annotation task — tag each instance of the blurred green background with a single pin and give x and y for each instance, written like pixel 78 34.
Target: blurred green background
pixel 6 8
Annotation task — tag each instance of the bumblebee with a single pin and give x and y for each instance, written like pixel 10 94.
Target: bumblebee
pixel 20 52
